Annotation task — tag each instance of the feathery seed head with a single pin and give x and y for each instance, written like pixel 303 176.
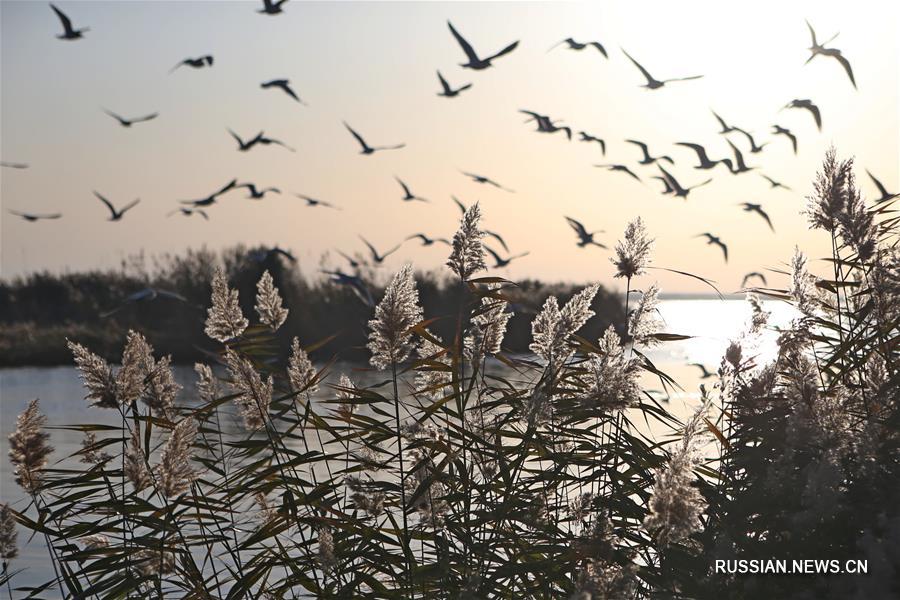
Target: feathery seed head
pixel 28 448
pixel 174 471
pixel 97 376
pixel 9 548
pixel 644 321
pixel 268 303
pixel 135 467
pixel 301 372
pixel 467 256
pixel 633 251
pixel 254 395
pixel 224 320
pixel 207 384
pixel 389 338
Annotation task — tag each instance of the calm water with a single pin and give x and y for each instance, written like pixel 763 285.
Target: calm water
pixel 712 323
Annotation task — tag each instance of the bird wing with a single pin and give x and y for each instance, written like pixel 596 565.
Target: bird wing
pixel 640 68
pixel 391 251
pixel 578 227
pixel 404 186
pixel 237 138
pixel 506 50
pixel 444 84
pixel 115 116
pixel 11 165
pixel 600 48
pixel 700 150
pixel 721 121
pixel 229 186
pixel 202 213
pixel 881 189
pixel 723 247
pixel 817 115
pixel 494 254
pixel 630 172
pixel 358 137
pixel 765 216
pixel 129 206
pixel 420 236
pixel 497 237
pixel 66 22
pixel 846 64
pixel 466 47
pixel 812 34
pixel 149 117
pixel 108 204
pixel 642 146
pixel 372 249
pixel 287 90
pixel 685 78
pixel 461 206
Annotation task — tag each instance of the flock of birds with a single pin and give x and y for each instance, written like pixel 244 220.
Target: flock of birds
pixel 735 164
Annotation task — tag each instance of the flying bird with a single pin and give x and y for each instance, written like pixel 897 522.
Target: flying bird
pixel 649 160
pixel 578 46
pixel 673 187
pixel 585 237
pixel 284 85
pixel 774 184
pixel 129 122
pixel 885 195
pixel 366 149
pixel 261 255
pixel 408 196
pixel 704 373
pixel 779 130
pixel 711 239
pixel 807 105
pixel 69 32
pixel 819 49
pixel 750 276
pixel 116 215
pixel 757 208
pixel 486 180
pixel 260 138
pixel 739 165
pixel 427 241
pixel 376 257
pixel 271 7
pixel 668 187
pixel 754 148
pixel 13 165
pixel 148 294
pixel 257 193
pixel 197 63
pixel 32 217
pixel 620 168
pixel 497 237
pixel 499 263
pixel 705 162
pixel 586 137
pixel 652 83
pixel 726 128
pixel 449 92
pixel 211 199
pixel 316 202
pixel 355 283
pixel 473 61
pixel 545 124
pixel 188 212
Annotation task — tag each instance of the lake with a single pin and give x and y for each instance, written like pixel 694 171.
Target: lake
pixel 712 323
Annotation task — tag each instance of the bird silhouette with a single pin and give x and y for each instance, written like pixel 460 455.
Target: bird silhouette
pixel 750 276
pixel 774 184
pixel 148 294
pixel 129 122
pixel 284 85
pixel 713 240
pixel 807 104
pixel 585 237
pixel 427 241
pixel 474 62
pixel 486 180
pixel 408 196
pixel 356 284
pixel 757 208
pixel 497 237
pixel 620 168
pixel 257 193
pixel 272 7
pixel 779 130
pixel 668 187
pixel 652 83
pixel 545 124
pixel 739 165
pixel 705 162
pixel 69 32
pixel 578 46
pixel 260 138
pixel 366 149
pixel 32 217
pixel 586 137
pixel 316 202
pixel 116 215
pixel 885 195
pixel 819 49
pixel 378 258
pixel 673 187
pixel 704 373
pixel 726 128
pixel 196 63
pixel 754 148
pixel 449 92
pixel 263 254
pixel 211 199
pixel 13 165
pixel 188 212
pixel 649 160
pixel 499 263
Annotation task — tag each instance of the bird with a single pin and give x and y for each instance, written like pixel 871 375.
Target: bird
pixel 462 207
pixel 284 85
pixel 147 294
pixel 585 237
pixel 260 138
pixel 271 7
pixel 408 196
pixel 376 257
pixel 316 202
pixel 32 217
pixel 711 239
pixel 885 195
pixel 751 275
pixel 116 215
pixel 497 237
pixel 673 187
pixel 753 147
pixel 545 124
pixel 773 183
pixel 69 32
pixel 473 61
pixel 257 193
pixel 129 122
pixel 499 263
pixel 267 141
pixel 263 254
pixel 668 187
pixel 355 283
pixel 726 128
pixel 779 130
pixel 739 165
pixel 652 83
pixel 188 212
pixel 816 49
pixel 705 162
pixel 427 241
pixel 649 160
pixel 449 92
pixel 352 261
pixel 757 208
pixel 366 149
pixel 808 105
pixel 586 137
pixel 621 168
pixel 13 165
pixel 578 46
pixel 705 374
pixel 211 199
pixel 197 63
pixel 486 180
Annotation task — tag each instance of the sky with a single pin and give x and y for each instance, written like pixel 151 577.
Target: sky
pixel 373 65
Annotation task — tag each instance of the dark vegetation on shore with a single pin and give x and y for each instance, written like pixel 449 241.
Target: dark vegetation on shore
pixel 38 312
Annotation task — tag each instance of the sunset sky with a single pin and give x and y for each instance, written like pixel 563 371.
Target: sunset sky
pixel 373 65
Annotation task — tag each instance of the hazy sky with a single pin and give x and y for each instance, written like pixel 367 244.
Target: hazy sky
pixel 373 64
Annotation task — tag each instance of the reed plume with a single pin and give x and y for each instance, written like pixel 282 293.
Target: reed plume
pixel 268 303
pixel 488 327
pixel 97 376
pixel 135 466
pixel 207 384
pixel 174 472
pixel 224 321
pixel 9 537
pixel 552 327
pixel 612 380
pixel 633 250
pixel 390 339
pixel 644 322
pixel 301 372
pixel 467 256
pixel 28 448
pixel 253 394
